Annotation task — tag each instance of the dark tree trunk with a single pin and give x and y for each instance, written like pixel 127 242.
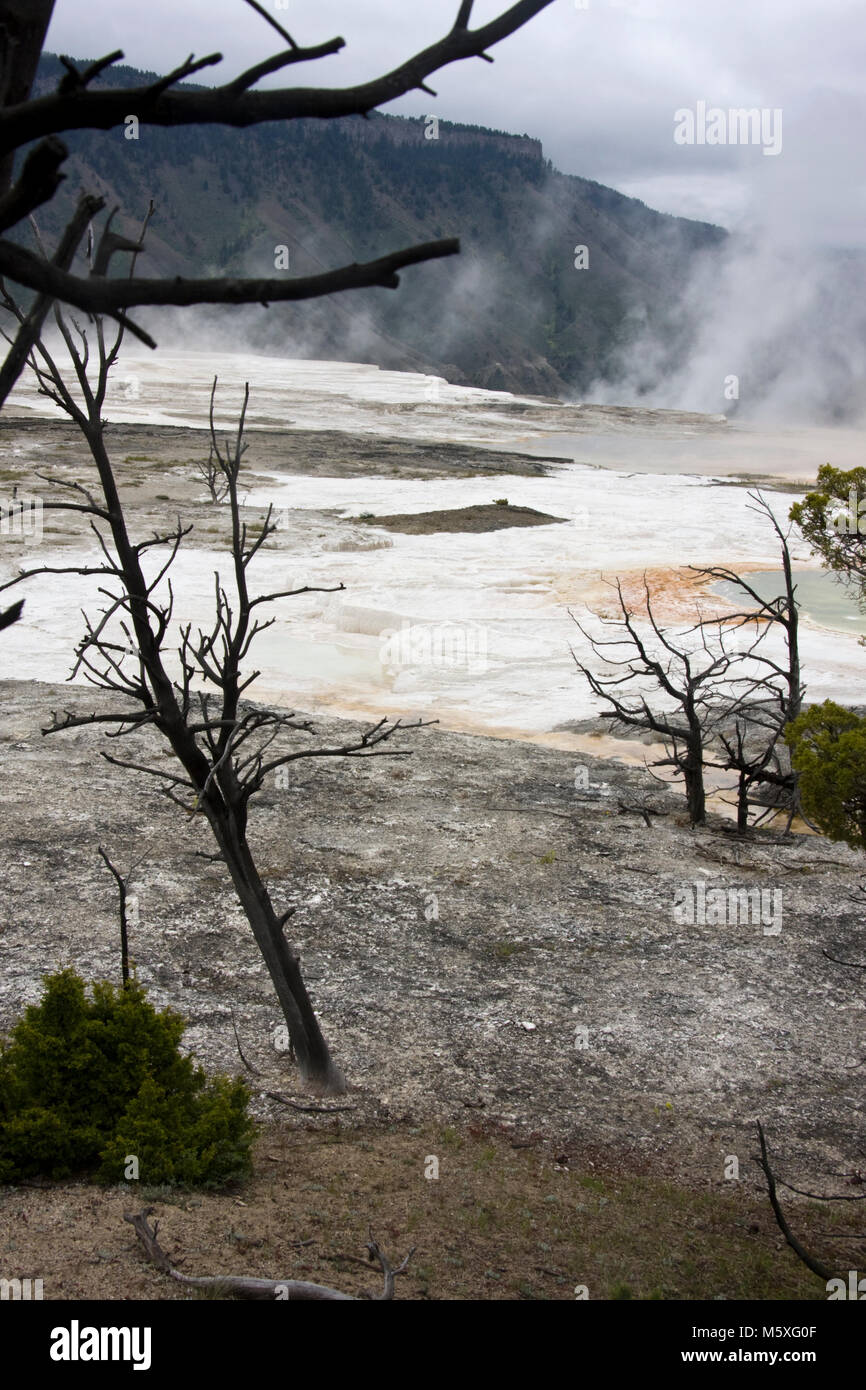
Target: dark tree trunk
pixel 742 803
pixel 226 816
pixel 792 632
pixel 693 773
pixel 695 795
pixel 314 1059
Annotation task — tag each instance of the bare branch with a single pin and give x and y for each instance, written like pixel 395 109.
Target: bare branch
pixel 816 1266
pixel 38 182
pixel 12 614
pixel 151 771
pixel 106 296
pixel 282 60
pixel 464 15
pixel 254 4
pixel 177 74
pixel 76 81
pixel 103 110
pixel 109 243
pixel 80 721
pixel 31 326
pixel 250 1068
pixel 307 1109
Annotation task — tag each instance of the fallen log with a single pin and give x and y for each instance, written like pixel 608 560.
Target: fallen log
pixel 243 1286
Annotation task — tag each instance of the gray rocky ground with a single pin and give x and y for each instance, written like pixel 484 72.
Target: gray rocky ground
pixel 477 933
pixel 483 932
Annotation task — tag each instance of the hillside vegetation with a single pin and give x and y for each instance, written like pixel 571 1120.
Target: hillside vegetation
pixel 512 313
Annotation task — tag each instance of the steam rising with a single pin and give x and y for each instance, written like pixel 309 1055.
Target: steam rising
pixel 788 322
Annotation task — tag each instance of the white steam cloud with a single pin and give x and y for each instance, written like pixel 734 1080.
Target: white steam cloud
pixel 772 332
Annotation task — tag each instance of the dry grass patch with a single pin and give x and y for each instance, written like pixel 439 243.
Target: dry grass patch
pixel 499 1222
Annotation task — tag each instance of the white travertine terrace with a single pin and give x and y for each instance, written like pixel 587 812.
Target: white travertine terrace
pixel 514 585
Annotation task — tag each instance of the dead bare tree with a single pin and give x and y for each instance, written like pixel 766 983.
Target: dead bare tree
pixel 77 106
pixel 220 748
pixel 687 677
pixel 122 881
pixel 771 696
pixel 212 470
pixel 223 753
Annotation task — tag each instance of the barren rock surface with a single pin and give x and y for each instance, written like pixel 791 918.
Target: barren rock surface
pixel 477 934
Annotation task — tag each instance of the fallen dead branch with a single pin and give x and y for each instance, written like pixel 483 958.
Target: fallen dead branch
pixel 247 1287
pixel 307 1109
pixel 626 809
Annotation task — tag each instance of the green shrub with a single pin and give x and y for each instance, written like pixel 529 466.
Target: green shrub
pixel 87 1082
pixel 828 750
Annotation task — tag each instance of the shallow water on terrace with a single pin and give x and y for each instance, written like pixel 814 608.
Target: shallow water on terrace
pixel 648 443
pixel 331 662
pixel 822 598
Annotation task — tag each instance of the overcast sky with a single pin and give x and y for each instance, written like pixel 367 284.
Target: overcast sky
pixel 598 83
